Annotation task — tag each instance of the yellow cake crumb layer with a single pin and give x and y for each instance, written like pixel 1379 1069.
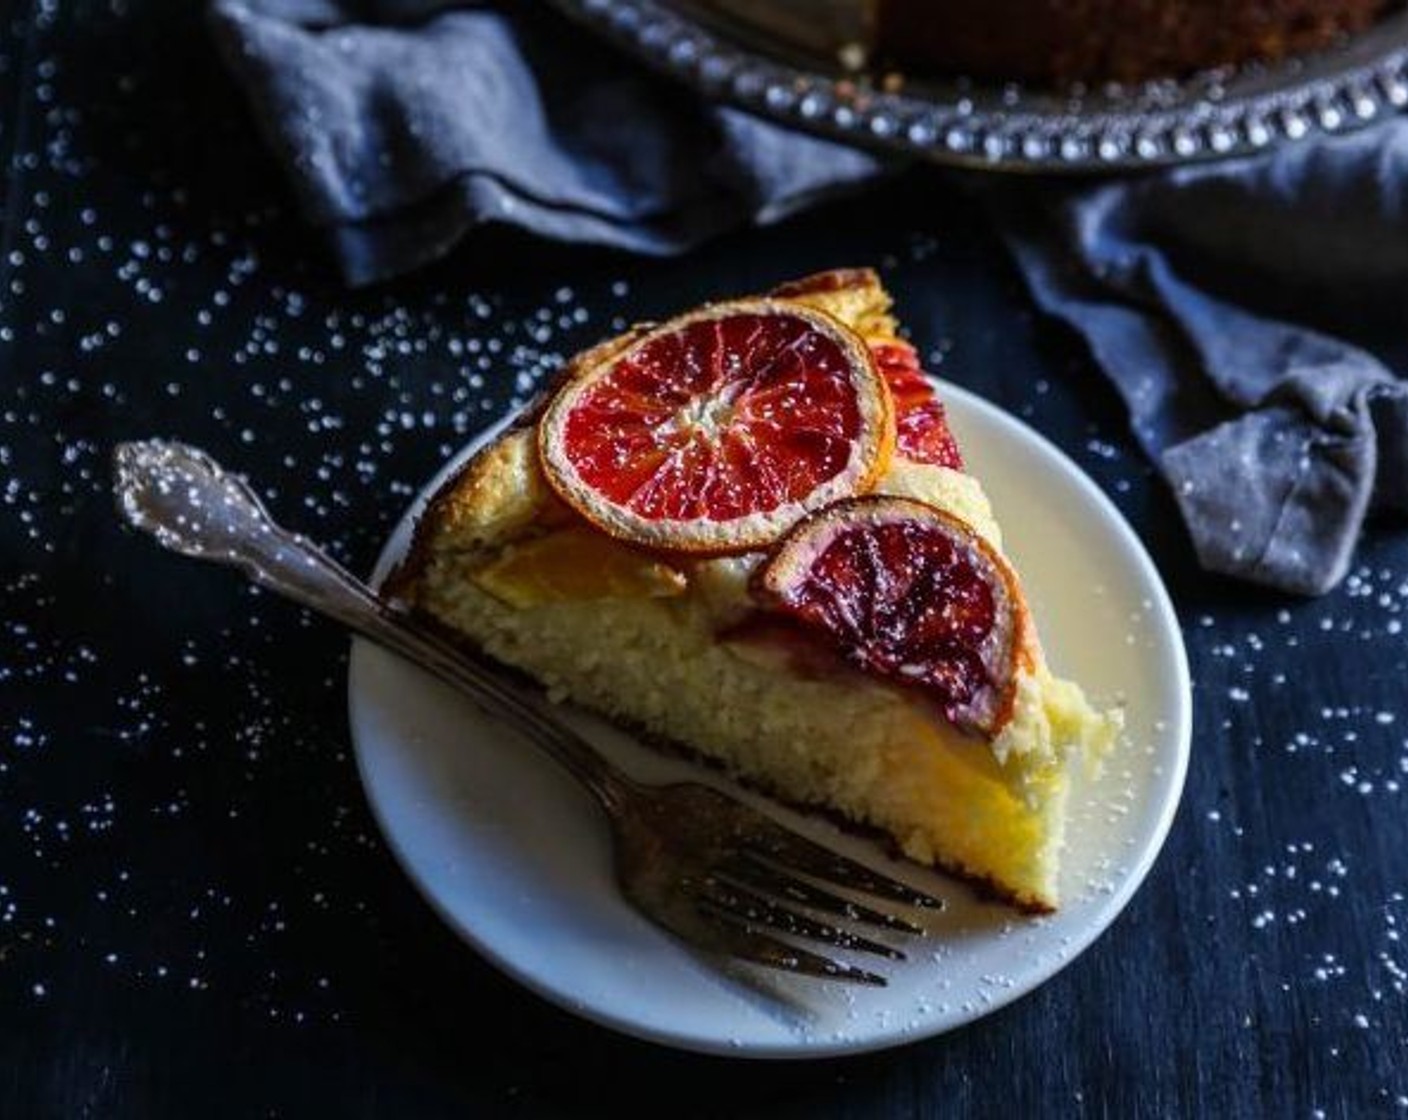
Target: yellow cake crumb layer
pixel 639 644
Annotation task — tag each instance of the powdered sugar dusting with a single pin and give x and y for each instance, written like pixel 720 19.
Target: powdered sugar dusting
pixel 182 827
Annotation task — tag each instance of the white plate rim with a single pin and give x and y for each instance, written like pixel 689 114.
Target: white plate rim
pixel 1178 719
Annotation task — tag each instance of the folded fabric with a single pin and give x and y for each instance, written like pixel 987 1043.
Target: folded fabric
pixel 1251 313
pixel 406 123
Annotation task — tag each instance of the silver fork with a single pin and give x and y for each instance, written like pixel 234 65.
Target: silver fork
pixel 697 862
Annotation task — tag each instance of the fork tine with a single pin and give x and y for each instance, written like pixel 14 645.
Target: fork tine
pixel 735 939
pixel 747 906
pixel 788 850
pixel 753 872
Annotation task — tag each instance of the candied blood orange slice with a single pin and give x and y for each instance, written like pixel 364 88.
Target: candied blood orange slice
pixel 920 420
pixel 716 431
pixel 909 593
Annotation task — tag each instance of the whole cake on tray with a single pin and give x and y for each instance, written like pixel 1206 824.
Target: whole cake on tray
pixel 1058 41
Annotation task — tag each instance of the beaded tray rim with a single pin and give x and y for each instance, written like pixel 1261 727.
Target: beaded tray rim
pixel 1217 114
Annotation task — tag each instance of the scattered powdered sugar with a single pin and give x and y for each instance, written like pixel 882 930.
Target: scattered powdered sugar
pixel 150 745
pixel 148 736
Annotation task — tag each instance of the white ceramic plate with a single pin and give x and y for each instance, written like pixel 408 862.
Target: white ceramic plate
pixel 515 857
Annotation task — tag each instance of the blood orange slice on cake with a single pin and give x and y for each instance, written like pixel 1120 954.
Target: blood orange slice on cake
pixel 716 431
pixel 920 420
pixel 910 593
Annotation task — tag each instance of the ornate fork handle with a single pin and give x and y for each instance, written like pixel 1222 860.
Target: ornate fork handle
pixel 193 506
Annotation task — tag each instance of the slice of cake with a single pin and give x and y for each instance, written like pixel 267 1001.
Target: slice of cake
pixel 748 533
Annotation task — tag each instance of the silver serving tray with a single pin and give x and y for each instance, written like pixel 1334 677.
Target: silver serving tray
pixel 1234 111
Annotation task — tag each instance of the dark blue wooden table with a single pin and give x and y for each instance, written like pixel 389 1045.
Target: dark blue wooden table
pixel 197 916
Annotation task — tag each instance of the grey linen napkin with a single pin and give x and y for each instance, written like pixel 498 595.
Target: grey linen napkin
pixel 1254 317
pixel 407 123
pixel 1253 314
